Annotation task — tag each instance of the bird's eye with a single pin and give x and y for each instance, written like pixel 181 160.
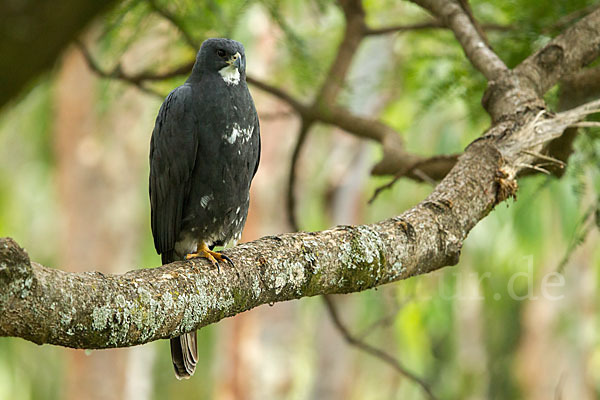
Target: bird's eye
pixel 221 53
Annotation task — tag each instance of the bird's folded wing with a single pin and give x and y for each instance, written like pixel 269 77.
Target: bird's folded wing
pixel 172 156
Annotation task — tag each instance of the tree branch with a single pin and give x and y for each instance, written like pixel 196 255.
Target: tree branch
pixel 566 54
pixel 326 97
pixel 290 196
pixel 382 355
pixel 575 90
pixel 354 32
pixel 454 16
pixel 93 310
pixel 281 94
pixel 432 169
pixel 34 35
pixel 433 24
pixel 584 85
pixel 118 74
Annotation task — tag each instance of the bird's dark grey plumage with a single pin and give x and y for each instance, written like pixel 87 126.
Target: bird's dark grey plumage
pixel 204 152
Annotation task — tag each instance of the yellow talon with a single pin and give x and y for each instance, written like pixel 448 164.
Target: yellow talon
pixel 213 256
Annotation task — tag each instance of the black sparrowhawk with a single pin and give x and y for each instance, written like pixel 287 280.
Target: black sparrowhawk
pixel 204 152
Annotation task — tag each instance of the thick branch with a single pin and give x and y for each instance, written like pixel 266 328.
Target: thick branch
pixel 353 35
pixel 566 54
pixel 93 310
pixel 579 87
pixel 33 35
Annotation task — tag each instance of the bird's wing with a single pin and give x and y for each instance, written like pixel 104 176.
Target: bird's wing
pixel 172 157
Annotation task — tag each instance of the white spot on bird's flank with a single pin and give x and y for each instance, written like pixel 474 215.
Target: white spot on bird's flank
pixel 237 211
pixel 237 133
pixel 204 200
pixel 234 134
pixel 230 74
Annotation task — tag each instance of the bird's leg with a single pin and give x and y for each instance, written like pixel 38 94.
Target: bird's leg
pixel 213 256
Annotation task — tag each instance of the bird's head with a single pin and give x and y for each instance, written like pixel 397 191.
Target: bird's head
pixel 224 56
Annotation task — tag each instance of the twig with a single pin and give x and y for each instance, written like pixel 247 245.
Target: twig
pixel 534 167
pixel 298 106
pixel 272 116
pixel 586 124
pixel 583 228
pixel 116 73
pixel 433 24
pixel 415 171
pixel 375 352
pixel 386 319
pixel 291 198
pixel 423 176
pixel 547 158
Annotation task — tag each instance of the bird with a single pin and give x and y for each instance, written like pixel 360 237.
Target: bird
pixel 204 153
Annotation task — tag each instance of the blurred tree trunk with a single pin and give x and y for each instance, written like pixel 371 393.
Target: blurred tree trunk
pixel 34 34
pixel 549 363
pixel 95 188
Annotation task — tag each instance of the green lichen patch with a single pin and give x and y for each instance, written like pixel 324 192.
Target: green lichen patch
pixel 363 260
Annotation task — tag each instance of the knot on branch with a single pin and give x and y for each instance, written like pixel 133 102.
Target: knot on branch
pixel 507 186
pixel 14 262
pixel 550 57
pixel 511 94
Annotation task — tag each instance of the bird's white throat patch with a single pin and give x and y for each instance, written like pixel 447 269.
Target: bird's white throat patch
pixel 230 74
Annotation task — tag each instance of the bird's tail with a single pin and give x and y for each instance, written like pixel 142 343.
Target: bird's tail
pixel 184 353
pixel 184 350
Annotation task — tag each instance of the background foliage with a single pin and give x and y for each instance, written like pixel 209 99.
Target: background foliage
pixel 490 327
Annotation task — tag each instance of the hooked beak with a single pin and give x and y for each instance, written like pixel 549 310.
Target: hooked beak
pixel 235 60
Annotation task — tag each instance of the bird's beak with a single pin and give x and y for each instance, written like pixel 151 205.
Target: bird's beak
pixel 236 60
